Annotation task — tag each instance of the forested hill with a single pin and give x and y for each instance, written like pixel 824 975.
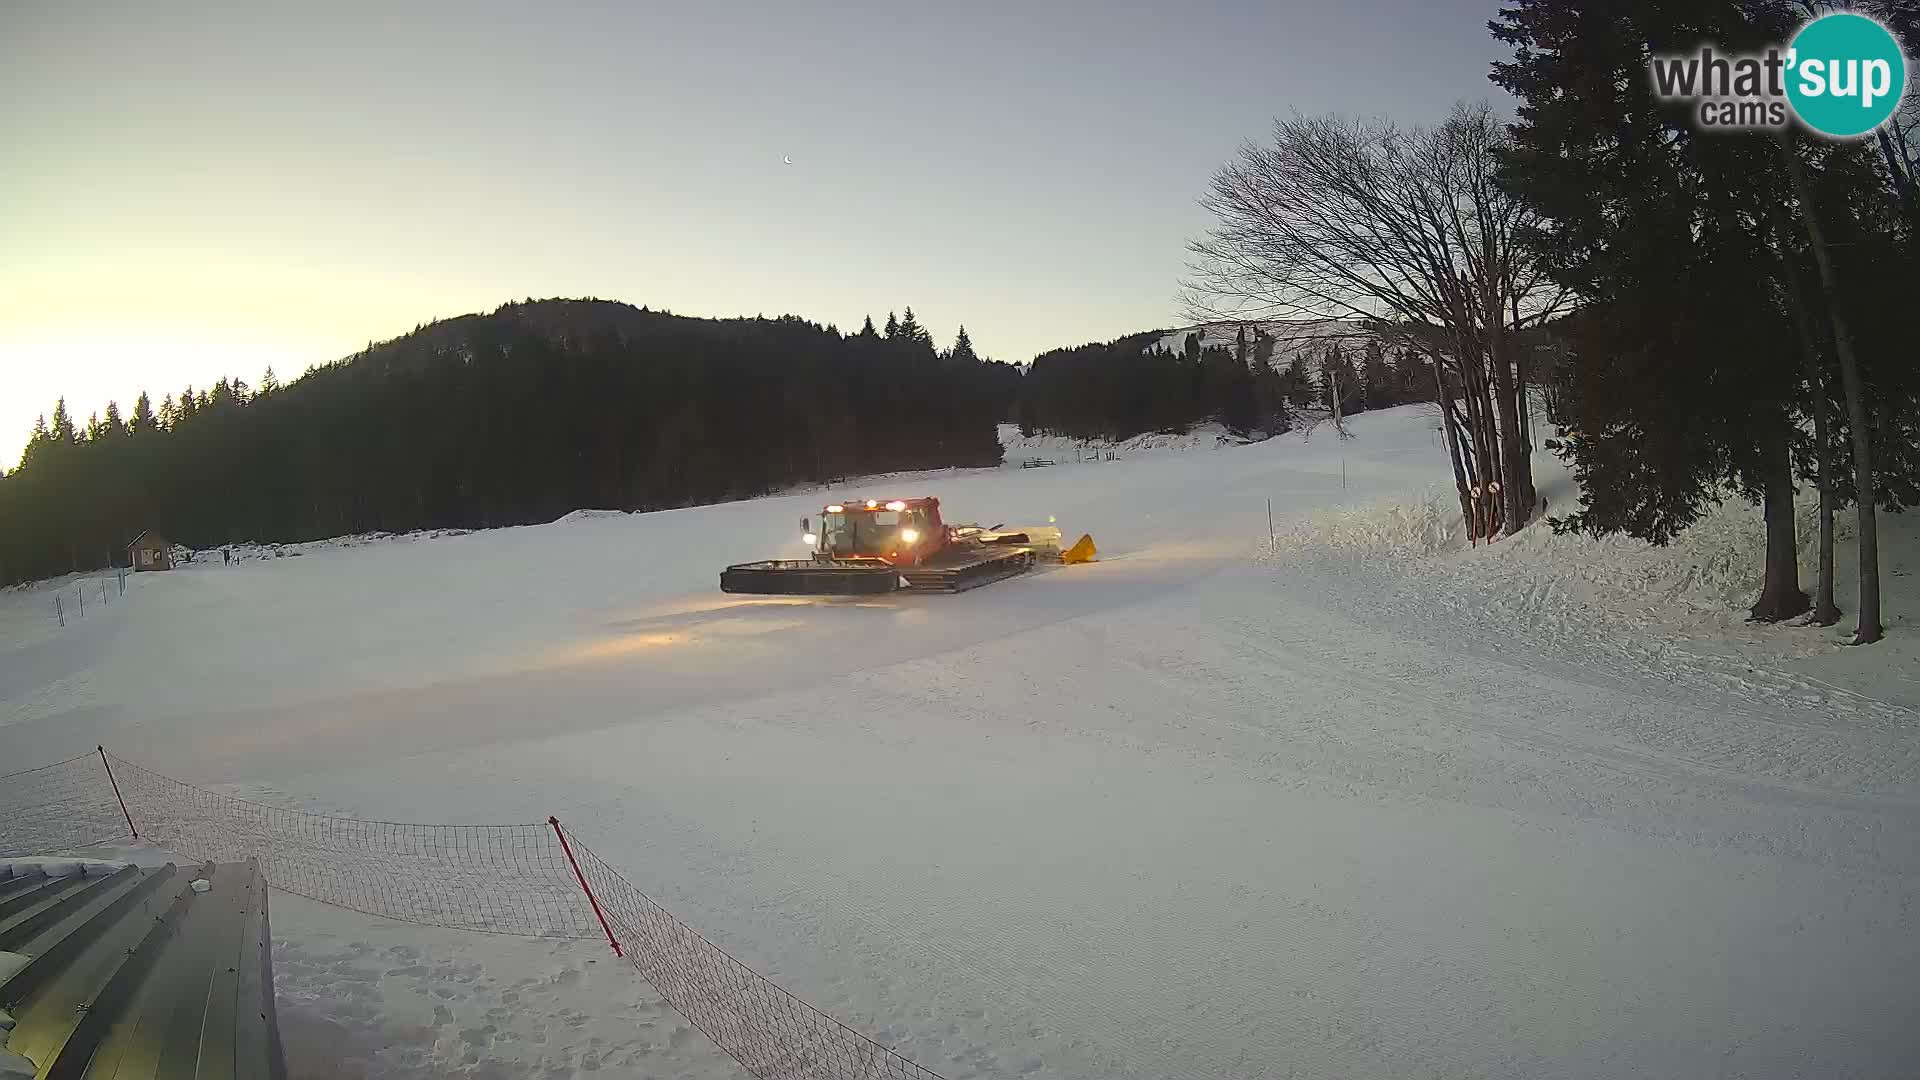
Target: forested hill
pixel 1252 377
pixel 506 418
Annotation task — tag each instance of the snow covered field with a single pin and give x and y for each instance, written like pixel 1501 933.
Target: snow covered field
pixel 1344 803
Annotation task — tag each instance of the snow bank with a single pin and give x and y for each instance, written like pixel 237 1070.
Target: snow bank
pixel 589 515
pixel 1713 567
pixel 251 551
pixel 1678 610
pixel 1414 527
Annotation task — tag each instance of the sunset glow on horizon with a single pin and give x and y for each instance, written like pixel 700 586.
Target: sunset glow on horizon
pixel 217 188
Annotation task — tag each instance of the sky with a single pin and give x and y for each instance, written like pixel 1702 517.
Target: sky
pixel 190 190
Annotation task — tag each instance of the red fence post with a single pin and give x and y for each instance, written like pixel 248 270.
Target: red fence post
pixel 116 792
pixel 584 887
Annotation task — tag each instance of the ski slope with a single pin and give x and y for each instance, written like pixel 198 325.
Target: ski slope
pixel 1330 804
pixel 1301 339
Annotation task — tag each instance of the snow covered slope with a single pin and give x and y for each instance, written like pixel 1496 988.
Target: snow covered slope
pixel 1306 338
pixel 1669 613
pixel 1211 807
pixel 1062 449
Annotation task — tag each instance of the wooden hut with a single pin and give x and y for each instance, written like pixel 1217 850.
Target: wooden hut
pixel 150 551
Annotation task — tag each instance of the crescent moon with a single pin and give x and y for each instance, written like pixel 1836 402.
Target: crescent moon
pixel 787 160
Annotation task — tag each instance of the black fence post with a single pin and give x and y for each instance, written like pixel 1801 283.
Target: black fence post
pixel 116 792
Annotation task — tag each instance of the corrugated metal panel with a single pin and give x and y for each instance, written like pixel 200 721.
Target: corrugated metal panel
pixel 135 976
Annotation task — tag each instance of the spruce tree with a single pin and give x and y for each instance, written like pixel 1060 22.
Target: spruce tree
pixel 1232 384
pixel 911 339
pixel 1339 382
pixel 1263 346
pixel 142 421
pixel 37 442
pixel 963 349
pixel 63 433
pixel 1412 378
pixel 1376 380
pixel 893 326
pixel 912 332
pixel 1299 383
pixel 1683 373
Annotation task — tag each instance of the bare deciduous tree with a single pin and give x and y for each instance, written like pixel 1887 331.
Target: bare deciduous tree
pixel 1403 229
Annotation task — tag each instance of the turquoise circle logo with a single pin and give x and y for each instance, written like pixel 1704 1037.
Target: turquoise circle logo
pixel 1845 74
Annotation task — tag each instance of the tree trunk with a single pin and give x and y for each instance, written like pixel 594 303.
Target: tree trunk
pixel 1475 443
pixel 1902 179
pixel 1516 487
pixel 1487 445
pixel 1780 596
pixel 1334 405
pixel 1453 443
pixel 1825 611
pixel 1523 379
pixel 1867 630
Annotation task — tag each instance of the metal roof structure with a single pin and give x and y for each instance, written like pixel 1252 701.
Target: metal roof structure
pixel 139 973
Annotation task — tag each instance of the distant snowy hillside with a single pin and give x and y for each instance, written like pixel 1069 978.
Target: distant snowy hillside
pixel 1291 338
pixel 1061 448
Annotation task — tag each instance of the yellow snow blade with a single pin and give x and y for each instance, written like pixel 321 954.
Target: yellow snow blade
pixel 1081 551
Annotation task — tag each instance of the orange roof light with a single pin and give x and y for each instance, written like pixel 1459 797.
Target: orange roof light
pixel 836 508
pixel 871 504
pixel 896 505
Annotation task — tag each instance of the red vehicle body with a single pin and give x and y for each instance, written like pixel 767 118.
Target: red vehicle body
pixel 867 546
pixel 904 532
